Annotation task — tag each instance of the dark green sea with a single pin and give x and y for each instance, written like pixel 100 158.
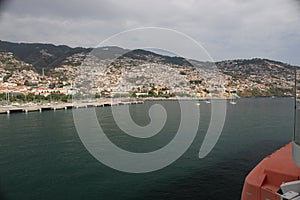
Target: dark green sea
pixel 42 157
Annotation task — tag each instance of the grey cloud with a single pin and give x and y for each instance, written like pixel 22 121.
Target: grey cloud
pixel 68 9
pixel 228 28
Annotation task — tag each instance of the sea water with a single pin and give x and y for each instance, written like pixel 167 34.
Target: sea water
pixel 42 157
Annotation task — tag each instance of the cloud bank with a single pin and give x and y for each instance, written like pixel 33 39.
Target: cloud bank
pixel 228 29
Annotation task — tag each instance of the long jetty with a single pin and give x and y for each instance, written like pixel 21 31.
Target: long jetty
pixel 63 106
pixel 100 103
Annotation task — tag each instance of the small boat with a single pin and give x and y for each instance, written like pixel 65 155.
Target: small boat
pixel 208 101
pixel 232 102
pixel 233 97
pixel 198 104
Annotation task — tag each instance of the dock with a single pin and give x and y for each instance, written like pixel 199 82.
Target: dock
pixel 64 106
pixel 92 103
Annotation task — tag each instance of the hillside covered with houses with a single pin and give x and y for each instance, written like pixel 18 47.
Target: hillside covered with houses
pixel 74 71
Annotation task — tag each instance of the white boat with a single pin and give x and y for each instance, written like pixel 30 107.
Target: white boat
pixel 233 97
pixel 232 102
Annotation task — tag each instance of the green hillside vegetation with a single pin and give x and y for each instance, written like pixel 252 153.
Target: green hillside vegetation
pixel 41 56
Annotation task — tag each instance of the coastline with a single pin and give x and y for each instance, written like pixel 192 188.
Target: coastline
pixel 62 106
pixel 8 109
pixel 25 108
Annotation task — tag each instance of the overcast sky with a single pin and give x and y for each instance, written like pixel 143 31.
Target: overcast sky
pixel 227 29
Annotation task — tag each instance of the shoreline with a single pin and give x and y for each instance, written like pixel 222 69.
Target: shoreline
pixel 61 106
pixel 8 109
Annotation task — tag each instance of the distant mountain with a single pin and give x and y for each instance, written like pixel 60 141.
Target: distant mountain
pixel 257 67
pixel 109 52
pixel 49 56
pixel 41 56
pixel 140 54
pixel 259 77
pixel 248 77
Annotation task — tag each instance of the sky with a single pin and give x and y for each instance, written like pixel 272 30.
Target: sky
pixel 227 29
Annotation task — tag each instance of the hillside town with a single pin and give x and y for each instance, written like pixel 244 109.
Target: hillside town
pixel 258 77
pixel 82 74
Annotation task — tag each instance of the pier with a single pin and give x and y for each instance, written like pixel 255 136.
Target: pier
pixel 92 103
pixel 8 109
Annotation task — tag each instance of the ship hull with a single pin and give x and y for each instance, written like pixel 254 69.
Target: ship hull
pixel 264 181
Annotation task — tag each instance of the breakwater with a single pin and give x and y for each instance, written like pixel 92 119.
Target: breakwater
pixel 8 109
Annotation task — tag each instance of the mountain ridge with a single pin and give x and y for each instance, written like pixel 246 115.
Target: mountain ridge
pixel 41 55
pixel 49 56
pixel 252 77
